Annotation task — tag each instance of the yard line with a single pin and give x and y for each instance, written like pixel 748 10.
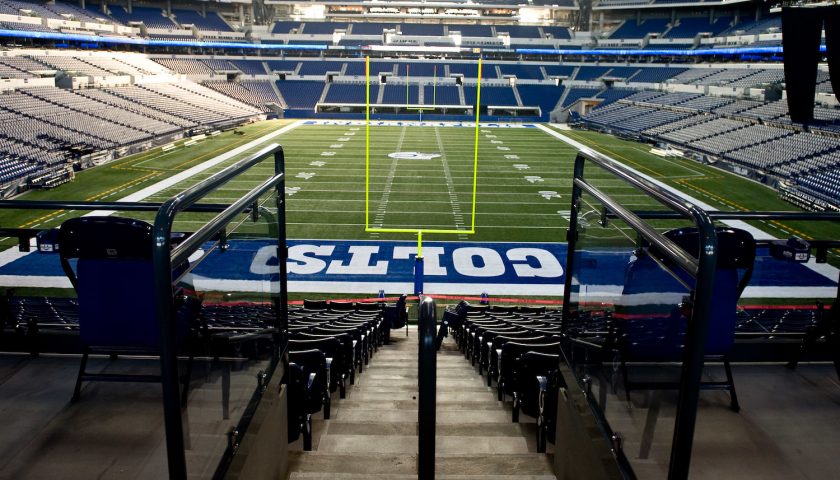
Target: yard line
pixel 450 187
pixel 382 208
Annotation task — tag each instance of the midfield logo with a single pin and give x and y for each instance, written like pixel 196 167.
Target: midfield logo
pixel 413 155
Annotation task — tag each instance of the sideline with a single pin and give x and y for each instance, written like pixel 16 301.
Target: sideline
pixel 180 177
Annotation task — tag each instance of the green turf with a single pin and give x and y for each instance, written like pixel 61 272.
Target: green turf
pixel 326 190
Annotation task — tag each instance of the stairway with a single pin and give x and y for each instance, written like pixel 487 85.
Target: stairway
pixel 373 432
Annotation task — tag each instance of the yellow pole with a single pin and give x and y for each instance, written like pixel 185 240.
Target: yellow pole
pixel 475 154
pixel 367 143
pixel 419 243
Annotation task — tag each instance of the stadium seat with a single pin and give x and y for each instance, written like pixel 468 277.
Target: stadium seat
pixel 452 319
pixel 337 369
pixel 510 370
pixel 307 382
pixel 538 386
pixel 114 281
pixel 396 316
pixel 655 331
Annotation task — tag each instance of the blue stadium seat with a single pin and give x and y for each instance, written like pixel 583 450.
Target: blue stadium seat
pixel 114 281
pixel 651 321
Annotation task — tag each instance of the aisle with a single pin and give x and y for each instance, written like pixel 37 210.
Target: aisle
pixel 373 432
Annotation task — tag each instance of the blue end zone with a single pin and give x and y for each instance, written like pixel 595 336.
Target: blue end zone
pixel 458 268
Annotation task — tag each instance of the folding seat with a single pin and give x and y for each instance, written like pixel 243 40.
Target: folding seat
pixel 510 368
pixel 318 305
pixel 453 319
pixel 308 379
pixel 114 281
pixel 654 331
pixel 337 370
pixel 369 329
pixel 348 350
pixel 476 335
pixel 356 333
pixel 339 306
pixel 494 349
pixel 484 336
pixel 537 387
pixel 369 307
pixel 396 317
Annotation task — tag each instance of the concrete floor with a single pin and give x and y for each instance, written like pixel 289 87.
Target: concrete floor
pixel 786 429
pixel 116 429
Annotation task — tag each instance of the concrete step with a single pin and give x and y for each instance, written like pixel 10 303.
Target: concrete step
pixel 365 444
pixel 526 430
pixel 364 476
pixel 518 465
pixel 442 405
pixel 410 415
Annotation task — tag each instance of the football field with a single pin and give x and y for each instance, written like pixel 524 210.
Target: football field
pixel 421 176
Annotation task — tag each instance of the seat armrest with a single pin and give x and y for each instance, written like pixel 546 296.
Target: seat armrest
pixel 311 381
pixel 329 365
pixel 543 382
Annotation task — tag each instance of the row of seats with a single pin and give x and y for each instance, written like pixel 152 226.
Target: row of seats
pixel 518 348
pixel 733 77
pixel 726 128
pixel 42 126
pixel 418 29
pixel 329 341
pixel 683 27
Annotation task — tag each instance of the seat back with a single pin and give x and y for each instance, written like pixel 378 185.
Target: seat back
pixel 512 352
pixel 308 362
pixel 319 305
pixel 114 281
pixel 395 315
pixel 651 315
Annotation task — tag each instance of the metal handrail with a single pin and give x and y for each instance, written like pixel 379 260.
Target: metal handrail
pixel 426 379
pixel 164 258
pixel 702 269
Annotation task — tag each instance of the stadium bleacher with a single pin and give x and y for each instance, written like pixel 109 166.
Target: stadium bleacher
pixel 212 22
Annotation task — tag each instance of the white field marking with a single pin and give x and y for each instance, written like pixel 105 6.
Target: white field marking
pixel 323 154
pixel 450 188
pixel 504 149
pixel 317 163
pixel 141 195
pixel 382 208
pixel 823 269
pixel 343 139
pixel 337 145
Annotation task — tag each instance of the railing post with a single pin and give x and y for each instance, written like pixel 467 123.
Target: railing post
pixel 694 353
pixel 426 379
pixel 282 248
pixel 173 422
pixel 571 239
